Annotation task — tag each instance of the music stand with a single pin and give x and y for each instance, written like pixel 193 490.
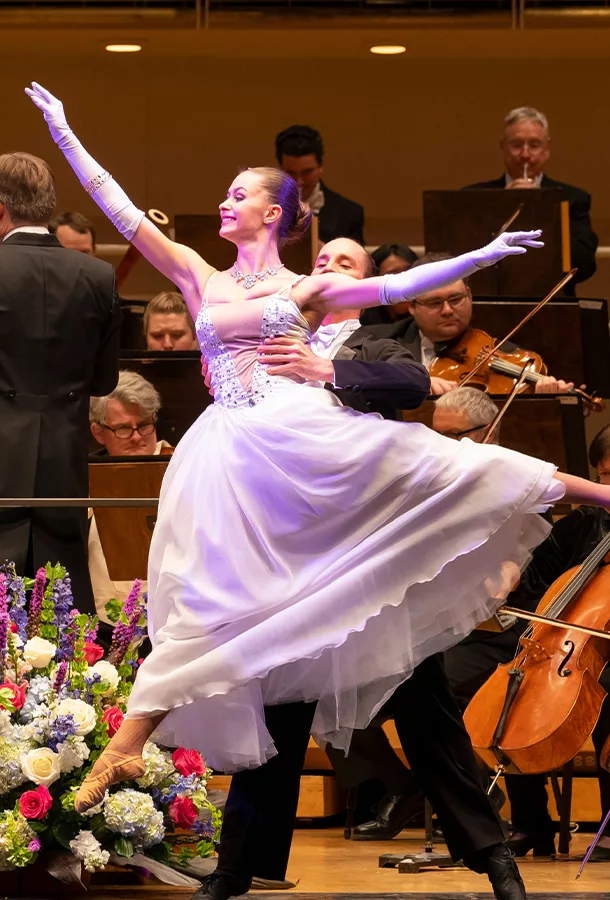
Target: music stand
pixel 177 376
pixel 458 221
pixel 125 533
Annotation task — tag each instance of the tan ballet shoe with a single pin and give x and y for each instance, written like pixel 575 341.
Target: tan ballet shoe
pixel 94 787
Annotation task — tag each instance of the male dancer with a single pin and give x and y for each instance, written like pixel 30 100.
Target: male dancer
pixel 261 808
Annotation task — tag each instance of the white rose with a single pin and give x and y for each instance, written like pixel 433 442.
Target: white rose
pixel 41 766
pixel 107 672
pixel 39 652
pixel 85 717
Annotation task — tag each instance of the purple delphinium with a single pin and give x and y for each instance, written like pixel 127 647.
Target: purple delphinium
pixel 203 829
pixel 16 598
pixel 67 638
pixel 132 599
pixel 4 626
pixel 62 601
pixel 61 727
pixel 60 675
pixel 36 603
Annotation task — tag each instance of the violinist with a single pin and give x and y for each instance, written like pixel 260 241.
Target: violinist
pixel 433 323
pixel 470 663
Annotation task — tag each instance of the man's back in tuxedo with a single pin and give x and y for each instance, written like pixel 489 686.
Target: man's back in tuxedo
pixel 59 321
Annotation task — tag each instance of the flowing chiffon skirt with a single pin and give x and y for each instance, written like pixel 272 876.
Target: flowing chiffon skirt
pixel 304 551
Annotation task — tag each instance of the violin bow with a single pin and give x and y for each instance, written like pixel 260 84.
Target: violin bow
pixel 519 325
pixel 510 220
pixel 499 415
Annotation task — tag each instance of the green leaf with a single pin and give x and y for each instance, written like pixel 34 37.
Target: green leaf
pixel 205 849
pixel 123 847
pixel 161 852
pixel 63 834
pixel 113 610
pixel 6 701
pixel 38 827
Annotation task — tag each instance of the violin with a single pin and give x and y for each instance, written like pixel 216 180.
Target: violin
pixel 499 373
pixel 535 713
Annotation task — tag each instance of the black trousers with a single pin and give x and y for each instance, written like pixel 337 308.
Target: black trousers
pixel 468 667
pixel 261 807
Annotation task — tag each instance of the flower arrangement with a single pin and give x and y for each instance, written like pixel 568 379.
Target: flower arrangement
pixel 60 703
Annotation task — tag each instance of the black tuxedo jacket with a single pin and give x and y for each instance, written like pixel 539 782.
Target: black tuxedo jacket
pixel 377 374
pixel 582 237
pixel 59 322
pixel 340 217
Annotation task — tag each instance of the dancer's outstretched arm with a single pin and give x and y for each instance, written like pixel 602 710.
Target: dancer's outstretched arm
pixel 331 292
pixel 179 263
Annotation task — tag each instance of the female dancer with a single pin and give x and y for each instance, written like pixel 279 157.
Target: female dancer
pixel 303 551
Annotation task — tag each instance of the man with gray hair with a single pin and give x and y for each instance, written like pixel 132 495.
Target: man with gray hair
pixel 124 421
pixel 525 146
pixel 465 412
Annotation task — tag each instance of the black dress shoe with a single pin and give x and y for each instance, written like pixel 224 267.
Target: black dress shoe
pixel 600 854
pixel 543 844
pixel 394 813
pixel 504 875
pixel 218 887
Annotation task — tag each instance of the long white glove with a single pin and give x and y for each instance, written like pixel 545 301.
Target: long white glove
pixel 415 281
pixel 109 196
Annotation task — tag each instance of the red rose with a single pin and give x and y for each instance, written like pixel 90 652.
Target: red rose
pixel 114 719
pixel 183 812
pixel 35 804
pixel 188 762
pixel 18 698
pixel 93 652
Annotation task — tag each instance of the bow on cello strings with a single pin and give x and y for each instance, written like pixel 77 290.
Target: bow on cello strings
pixel 534 714
pixel 478 359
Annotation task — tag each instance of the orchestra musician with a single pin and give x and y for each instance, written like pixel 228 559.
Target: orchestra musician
pixel 433 323
pixel 470 663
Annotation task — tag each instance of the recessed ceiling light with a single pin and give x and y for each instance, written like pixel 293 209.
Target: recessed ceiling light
pixel 388 49
pixel 123 48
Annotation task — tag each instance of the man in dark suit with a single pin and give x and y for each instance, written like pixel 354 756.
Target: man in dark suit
pixel 300 153
pixel 261 807
pixel 59 319
pixel 525 146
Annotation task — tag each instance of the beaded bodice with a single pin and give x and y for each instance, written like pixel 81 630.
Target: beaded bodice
pixel 229 335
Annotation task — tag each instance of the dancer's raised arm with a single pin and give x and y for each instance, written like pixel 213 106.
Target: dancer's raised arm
pixel 330 292
pixel 179 263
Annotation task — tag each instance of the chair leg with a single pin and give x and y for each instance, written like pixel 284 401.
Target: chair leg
pixel 566 808
pixel 350 811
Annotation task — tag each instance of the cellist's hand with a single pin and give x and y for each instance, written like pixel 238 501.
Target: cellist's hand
pixel 550 385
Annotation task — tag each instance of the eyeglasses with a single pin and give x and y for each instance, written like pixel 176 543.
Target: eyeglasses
pixel 124 432
pixel 516 146
pixel 456 435
pixel 436 305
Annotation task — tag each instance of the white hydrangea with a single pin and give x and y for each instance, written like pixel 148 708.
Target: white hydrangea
pixel 12 750
pixel 159 766
pixel 6 726
pixel 14 829
pixel 72 753
pixel 87 848
pixel 133 815
pixel 94 810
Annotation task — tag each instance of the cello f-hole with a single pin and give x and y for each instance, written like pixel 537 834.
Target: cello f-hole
pixel 562 671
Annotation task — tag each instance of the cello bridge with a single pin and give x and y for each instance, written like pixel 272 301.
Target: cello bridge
pixel 533 648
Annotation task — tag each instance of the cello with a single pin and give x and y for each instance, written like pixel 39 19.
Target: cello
pixel 535 713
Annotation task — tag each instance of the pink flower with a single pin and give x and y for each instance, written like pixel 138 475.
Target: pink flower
pixel 35 804
pixel 93 652
pixel 18 698
pixel 113 717
pixel 183 812
pixel 188 762
pixel 34 846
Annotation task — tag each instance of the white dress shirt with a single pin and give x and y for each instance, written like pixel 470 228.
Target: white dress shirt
pixel 28 229
pixel 428 353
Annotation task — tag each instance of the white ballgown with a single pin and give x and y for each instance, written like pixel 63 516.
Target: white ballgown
pixel 304 551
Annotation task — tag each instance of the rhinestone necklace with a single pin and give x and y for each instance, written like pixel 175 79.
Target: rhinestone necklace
pixel 250 280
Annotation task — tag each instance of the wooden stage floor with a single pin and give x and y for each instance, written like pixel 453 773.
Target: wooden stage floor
pixel 327 867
